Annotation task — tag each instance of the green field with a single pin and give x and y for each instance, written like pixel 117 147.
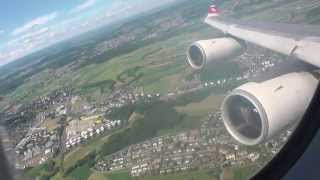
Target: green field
pixel 78 153
pixel 124 175
pixel 202 108
pixel 243 173
pixel 165 76
pixel 238 173
pixel 157 65
pixel 81 173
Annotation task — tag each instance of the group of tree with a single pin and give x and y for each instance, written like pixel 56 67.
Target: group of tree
pixel 157 116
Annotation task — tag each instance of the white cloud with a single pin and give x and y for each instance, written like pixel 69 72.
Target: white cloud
pixel 27 37
pixel 85 5
pixel 35 22
pixel 38 33
pixel 1 31
pixel 118 8
pixel 26 43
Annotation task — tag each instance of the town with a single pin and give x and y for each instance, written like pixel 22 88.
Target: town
pixel 63 120
pixel 207 147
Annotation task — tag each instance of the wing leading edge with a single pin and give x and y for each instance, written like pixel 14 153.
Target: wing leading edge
pixel 298 41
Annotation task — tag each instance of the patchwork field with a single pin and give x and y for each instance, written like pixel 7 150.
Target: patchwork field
pixel 161 72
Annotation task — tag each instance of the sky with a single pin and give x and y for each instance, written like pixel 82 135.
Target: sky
pixel 30 25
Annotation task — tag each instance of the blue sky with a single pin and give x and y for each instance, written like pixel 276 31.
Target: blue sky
pixel 30 25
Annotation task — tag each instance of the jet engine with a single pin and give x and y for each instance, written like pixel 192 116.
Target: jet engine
pixel 205 52
pixel 255 112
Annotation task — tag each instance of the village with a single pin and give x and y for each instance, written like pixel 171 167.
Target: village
pixel 207 147
pixel 80 121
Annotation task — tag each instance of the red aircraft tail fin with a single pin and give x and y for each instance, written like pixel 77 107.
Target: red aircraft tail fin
pixel 213 11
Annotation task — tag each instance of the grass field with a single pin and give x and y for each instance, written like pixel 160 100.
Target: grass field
pixel 98 176
pixel 238 173
pixel 243 173
pixel 124 175
pixel 35 171
pixel 81 173
pixel 134 116
pixel 195 113
pixel 81 151
pixel 202 108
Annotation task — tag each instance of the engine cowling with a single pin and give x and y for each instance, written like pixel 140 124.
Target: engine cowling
pixel 204 52
pixel 255 112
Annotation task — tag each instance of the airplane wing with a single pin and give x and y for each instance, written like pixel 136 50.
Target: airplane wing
pixel 256 111
pixel 300 41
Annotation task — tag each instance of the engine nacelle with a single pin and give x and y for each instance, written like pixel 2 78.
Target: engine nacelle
pixel 255 112
pixel 205 52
